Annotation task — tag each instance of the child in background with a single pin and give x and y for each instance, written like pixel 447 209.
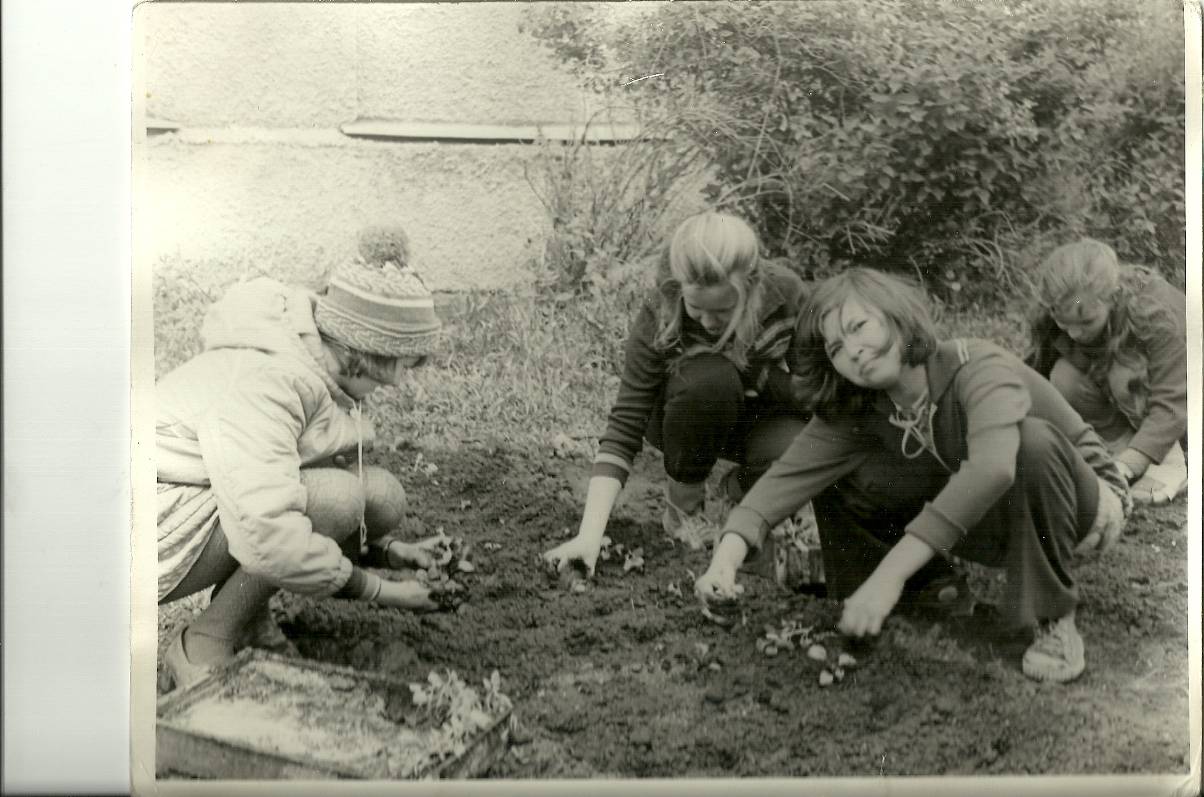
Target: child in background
pixel 249 501
pixel 1003 471
pixel 1113 340
pixel 706 376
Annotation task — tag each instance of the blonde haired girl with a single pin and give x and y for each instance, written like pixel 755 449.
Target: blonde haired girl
pixel 706 376
pixel 1113 340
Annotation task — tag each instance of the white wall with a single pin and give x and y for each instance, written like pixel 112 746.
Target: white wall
pixel 258 175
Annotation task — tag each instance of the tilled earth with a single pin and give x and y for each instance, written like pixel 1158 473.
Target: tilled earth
pixel 628 679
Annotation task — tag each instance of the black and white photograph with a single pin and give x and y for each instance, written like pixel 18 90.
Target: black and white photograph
pixel 666 391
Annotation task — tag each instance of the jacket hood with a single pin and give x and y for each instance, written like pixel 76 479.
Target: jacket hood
pixel 268 316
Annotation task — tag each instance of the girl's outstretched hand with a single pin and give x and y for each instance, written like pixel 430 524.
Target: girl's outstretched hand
pixel 867 608
pixel 577 549
pixel 717 585
pixel 412 595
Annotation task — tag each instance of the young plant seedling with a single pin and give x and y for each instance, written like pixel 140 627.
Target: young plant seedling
pixel 634 560
pixel 718 618
pixel 422 466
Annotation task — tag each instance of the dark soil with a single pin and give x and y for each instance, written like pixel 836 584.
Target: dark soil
pixel 628 679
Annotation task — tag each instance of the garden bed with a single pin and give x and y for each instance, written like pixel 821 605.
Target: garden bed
pixel 628 679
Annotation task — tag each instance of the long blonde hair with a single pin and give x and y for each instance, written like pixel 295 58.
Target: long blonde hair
pixel 1090 268
pixel 707 250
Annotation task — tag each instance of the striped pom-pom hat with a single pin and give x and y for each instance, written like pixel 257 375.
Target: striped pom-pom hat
pixel 379 308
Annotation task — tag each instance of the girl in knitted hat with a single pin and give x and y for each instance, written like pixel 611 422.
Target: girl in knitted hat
pixel 706 376
pixel 249 500
pixel 1113 340
pixel 1002 471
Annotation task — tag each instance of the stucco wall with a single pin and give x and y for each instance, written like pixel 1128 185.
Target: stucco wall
pixel 258 175
pixel 230 202
pixel 319 64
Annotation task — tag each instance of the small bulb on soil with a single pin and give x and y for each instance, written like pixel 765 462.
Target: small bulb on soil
pixel 845 660
pixel 817 653
pixel 718 619
pixel 771 650
pixel 578 586
pixel 465 567
pixel 825 678
pixel 714 666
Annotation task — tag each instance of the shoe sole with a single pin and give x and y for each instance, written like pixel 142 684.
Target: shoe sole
pixel 1049 677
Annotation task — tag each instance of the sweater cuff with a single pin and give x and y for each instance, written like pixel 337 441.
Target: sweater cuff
pixel 610 465
pixel 934 528
pixel 357 580
pixel 1152 448
pixel 747 523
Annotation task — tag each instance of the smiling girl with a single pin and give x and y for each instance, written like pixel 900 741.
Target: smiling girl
pixel 1113 340
pixel 1001 470
pixel 706 376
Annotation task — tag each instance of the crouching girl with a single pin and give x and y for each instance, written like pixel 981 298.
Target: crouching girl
pixel 1113 340
pixel 705 377
pixel 249 501
pixel 1003 471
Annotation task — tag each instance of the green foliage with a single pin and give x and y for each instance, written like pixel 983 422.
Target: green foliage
pixel 954 141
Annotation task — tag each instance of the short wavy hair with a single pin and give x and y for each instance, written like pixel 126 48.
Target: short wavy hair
pixel 903 305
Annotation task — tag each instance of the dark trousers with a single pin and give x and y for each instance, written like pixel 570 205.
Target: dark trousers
pixel 703 416
pixel 1030 532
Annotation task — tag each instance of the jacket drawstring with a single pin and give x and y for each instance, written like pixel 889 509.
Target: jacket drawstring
pixel 917 423
pixel 357 413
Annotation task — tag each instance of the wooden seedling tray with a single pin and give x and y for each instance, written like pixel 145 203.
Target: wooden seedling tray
pixel 264 716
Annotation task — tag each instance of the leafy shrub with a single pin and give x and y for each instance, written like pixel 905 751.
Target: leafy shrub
pixel 950 140
pixel 608 205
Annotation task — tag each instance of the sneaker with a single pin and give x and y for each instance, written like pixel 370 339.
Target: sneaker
pixel 1056 653
pixel 179 672
pixel 694 529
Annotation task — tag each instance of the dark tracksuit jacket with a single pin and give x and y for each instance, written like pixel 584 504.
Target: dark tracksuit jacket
pixel 646 368
pixel 974 385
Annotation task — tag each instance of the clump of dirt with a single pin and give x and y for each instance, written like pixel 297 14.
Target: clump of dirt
pixel 627 678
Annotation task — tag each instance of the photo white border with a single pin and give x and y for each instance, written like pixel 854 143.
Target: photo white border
pixel 144 568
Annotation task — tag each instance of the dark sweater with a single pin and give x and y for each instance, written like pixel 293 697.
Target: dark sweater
pixel 646 368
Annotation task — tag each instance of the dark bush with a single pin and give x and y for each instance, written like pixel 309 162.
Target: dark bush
pixel 954 141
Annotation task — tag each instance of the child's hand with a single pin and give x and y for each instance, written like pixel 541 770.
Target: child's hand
pixel 577 549
pixel 1109 523
pixel 718 585
pixel 411 595
pixel 867 608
